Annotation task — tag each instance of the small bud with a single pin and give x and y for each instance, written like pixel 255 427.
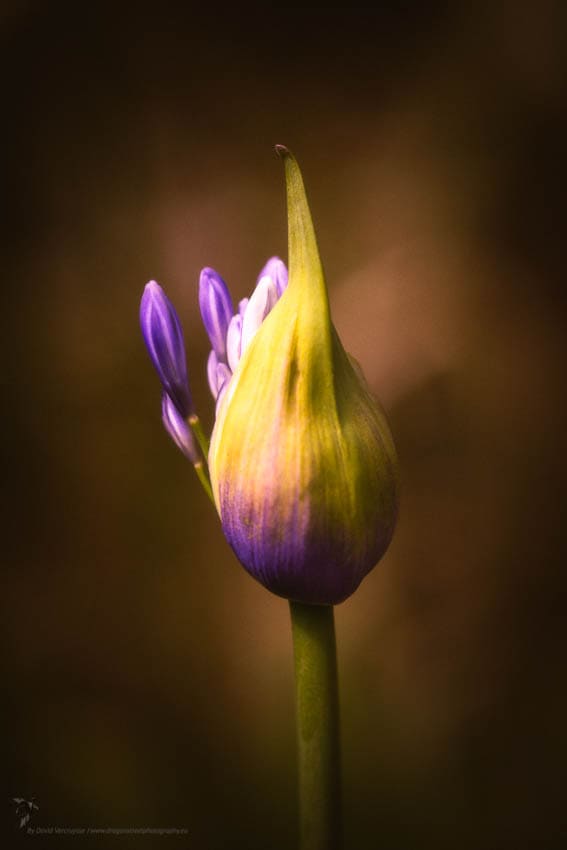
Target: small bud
pixel 216 309
pixel 179 430
pixel 163 336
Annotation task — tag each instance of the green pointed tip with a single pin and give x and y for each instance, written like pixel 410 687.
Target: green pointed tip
pixel 305 270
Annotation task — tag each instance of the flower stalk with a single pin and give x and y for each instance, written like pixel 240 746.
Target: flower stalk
pixel 317 711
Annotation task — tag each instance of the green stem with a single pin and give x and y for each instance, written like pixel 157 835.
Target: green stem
pixel 203 475
pixel 317 705
pixel 201 466
pixel 197 428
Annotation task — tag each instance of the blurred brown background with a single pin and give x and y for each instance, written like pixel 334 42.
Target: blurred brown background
pixel 148 679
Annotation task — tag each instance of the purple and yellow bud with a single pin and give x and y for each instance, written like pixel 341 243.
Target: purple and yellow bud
pixel 302 462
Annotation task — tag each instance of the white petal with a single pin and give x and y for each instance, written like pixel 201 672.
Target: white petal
pixel 261 302
pixel 276 269
pixel 233 341
pixel 212 364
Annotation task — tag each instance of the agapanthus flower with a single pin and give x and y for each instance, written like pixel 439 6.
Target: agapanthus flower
pixel 302 463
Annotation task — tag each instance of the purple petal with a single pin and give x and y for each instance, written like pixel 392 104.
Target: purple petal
pixel 178 429
pixel 233 341
pixel 163 336
pixel 261 302
pixel 216 309
pixel 276 269
pixel 242 305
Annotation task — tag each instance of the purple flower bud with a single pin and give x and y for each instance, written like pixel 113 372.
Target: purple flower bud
pixel 276 269
pixel 178 429
pixel 216 309
pixel 163 336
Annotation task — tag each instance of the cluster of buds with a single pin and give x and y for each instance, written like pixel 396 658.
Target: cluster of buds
pixel 301 466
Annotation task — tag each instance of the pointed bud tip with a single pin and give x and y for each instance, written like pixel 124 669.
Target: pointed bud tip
pixel 205 276
pixel 282 151
pixel 210 277
pixel 152 287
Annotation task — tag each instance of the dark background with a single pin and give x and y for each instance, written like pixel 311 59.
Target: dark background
pixel 147 678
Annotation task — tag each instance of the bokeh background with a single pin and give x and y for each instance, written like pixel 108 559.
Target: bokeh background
pixel 147 677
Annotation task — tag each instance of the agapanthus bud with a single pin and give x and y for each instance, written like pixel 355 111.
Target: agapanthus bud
pixel 302 462
pixel 163 336
pixel 178 429
pixel 216 309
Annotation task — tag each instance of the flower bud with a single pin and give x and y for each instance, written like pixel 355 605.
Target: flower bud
pixel 178 429
pixel 302 462
pixel 216 309
pixel 163 336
